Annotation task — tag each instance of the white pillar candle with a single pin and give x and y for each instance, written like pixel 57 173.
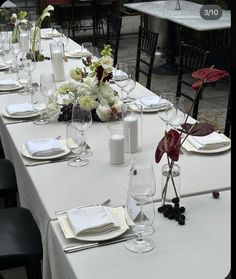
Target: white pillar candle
pixel 24 41
pixel 131 133
pixel 117 151
pixel 58 64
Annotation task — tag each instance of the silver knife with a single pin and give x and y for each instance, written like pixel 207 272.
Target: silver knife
pixel 31 164
pixel 76 248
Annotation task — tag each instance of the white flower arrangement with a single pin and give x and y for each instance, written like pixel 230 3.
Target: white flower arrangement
pixel 92 91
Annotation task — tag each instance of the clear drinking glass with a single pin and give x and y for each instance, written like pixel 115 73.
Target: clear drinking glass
pixel 140 216
pixel 48 83
pixel 131 85
pixel 75 142
pixel 142 180
pixel 56 32
pixel 82 121
pixel 29 65
pixel 179 104
pixel 9 59
pixel 168 113
pixel 39 102
pixel 121 76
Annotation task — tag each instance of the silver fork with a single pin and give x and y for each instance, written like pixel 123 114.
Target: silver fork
pixel 107 201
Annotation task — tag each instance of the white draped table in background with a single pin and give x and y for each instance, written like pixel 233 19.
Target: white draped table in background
pixel 47 188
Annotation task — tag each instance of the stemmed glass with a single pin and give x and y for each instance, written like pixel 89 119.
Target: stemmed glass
pixel 121 76
pixel 178 103
pixel 48 83
pixel 131 85
pixel 140 216
pixel 29 65
pixel 56 32
pixel 9 59
pixel 142 183
pixel 39 101
pixel 168 113
pixel 81 121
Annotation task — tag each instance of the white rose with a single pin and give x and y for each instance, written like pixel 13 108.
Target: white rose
pixel 103 112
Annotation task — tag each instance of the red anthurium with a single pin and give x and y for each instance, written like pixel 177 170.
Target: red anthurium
pixel 169 144
pixel 207 75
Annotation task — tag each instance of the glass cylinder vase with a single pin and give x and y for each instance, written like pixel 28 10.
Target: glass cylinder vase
pixel 57 59
pixel 170 183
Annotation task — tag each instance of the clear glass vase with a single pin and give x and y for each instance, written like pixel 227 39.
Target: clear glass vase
pixel 170 183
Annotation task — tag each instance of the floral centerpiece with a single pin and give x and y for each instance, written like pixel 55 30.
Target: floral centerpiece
pixel 15 21
pixel 92 89
pixel 171 144
pixel 36 28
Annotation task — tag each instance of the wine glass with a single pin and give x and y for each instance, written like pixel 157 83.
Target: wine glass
pixel 39 101
pixel 9 59
pixel 168 113
pixel 140 216
pixel 87 46
pixel 81 121
pixel 56 32
pixel 131 85
pixel 121 76
pixel 48 83
pixel 178 103
pixel 29 65
pixel 65 38
pixel 142 179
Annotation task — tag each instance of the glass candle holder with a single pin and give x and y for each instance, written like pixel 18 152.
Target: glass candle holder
pixel 57 59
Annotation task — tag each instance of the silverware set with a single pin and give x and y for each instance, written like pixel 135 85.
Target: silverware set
pixel 81 247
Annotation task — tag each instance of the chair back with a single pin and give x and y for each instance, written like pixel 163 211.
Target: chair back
pixel 147 45
pixel 228 116
pixel 113 34
pixel 191 58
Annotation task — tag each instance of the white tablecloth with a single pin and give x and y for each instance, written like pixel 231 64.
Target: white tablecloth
pixel 47 188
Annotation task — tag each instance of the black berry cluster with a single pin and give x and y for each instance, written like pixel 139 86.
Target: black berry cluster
pixel 66 112
pixel 173 212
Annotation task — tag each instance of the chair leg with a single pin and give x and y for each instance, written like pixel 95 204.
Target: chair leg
pixel 33 271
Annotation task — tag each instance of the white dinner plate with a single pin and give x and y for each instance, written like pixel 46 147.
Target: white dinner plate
pixel 76 55
pixel 3 67
pixel 28 115
pixel 25 152
pixel 145 109
pixel 66 228
pixel 16 87
pixel 189 147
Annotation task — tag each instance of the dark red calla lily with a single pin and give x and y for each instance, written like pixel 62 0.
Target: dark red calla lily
pixel 169 144
pixel 207 75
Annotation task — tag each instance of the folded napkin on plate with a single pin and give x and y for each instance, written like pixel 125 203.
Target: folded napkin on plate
pixel 211 141
pixel 20 109
pixel 55 33
pixel 79 52
pixel 44 147
pixel 152 102
pixel 91 220
pixel 8 83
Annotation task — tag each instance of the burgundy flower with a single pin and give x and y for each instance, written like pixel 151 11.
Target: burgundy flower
pixel 207 75
pixel 169 144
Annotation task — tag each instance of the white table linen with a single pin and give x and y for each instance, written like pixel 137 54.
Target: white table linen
pixel 47 188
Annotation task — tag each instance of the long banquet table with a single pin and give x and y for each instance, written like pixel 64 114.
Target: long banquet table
pixel 47 188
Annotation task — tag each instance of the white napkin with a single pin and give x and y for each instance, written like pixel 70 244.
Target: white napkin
pixel 53 33
pixel 152 102
pixel 211 141
pixel 79 52
pixel 44 147
pixel 8 83
pixel 20 109
pixel 91 220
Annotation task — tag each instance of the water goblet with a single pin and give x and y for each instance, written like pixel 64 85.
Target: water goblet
pixel 56 32
pixel 82 119
pixel 9 59
pixel 29 65
pixel 131 85
pixel 47 81
pixel 87 46
pixel 39 101
pixel 75 142
pixel 140 216
pixel 121 76
pixel 142 180
pixel 168 113
pixel 178 103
